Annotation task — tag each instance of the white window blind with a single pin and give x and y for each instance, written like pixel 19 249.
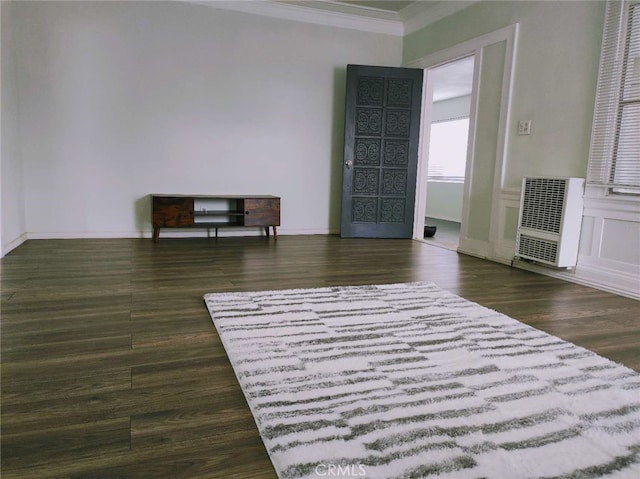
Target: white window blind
pixel 614 160
pixel 448 150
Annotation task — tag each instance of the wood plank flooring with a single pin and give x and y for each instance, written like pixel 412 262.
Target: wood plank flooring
pixel 111 366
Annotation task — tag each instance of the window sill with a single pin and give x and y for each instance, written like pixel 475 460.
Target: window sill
pixel 604 193
pixel 599 198
pixel 445 180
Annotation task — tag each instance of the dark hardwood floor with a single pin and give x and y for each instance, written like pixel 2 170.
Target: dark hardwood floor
pixel 111 366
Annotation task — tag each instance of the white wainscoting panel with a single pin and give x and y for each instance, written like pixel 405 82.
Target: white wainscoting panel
pixel 509 206
pixel 609 254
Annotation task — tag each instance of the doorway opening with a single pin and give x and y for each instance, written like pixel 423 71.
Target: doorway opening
pixel 447 151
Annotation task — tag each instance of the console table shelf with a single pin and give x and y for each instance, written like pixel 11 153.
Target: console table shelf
pixel 218 213
pixel 211 211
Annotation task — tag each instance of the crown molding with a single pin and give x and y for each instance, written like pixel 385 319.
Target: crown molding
pixel 340 7
pixel 416 17
pixel 316 12
pixel 335 14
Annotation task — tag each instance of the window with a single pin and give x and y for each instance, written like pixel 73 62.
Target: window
pixel 614 160
pixel 448 150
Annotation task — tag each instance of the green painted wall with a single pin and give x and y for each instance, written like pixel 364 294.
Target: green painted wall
pixel 554 82
pixel 554 85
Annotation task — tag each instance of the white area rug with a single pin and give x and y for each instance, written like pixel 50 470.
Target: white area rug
pixel 409 381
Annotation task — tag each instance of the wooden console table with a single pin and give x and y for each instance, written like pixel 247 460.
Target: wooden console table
pixel 205 211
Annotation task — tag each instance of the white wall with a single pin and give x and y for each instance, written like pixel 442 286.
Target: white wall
pixel 13 227
pixel 122 99
pixel 444 199
pixel 451 108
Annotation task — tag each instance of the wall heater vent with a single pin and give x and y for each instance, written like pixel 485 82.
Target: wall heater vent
pixel 549 220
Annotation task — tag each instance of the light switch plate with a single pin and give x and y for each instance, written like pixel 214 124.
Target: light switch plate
pixel 524 127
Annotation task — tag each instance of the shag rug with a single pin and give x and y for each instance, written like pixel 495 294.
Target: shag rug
pixel 409 381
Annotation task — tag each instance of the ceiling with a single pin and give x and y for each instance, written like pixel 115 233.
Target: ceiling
pixel 453 79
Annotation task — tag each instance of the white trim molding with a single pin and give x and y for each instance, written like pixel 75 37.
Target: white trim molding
pixel 619 275
pixel 609 256
pixel 195 232
pixel 599 278
pixel 473 47
pixel 342 15
pixel 14 244
pixel 415 17
pixel 505 244
pixel 318 13
pixel 477 248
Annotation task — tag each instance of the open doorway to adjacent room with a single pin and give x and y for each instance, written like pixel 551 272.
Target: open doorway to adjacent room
pixel 447 151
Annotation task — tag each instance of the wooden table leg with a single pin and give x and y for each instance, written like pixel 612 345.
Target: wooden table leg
pixel 156 234
pixel 266 230
pixel 275 233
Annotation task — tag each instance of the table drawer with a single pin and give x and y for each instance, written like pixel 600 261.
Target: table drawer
pixel 262 211
pixel 172 211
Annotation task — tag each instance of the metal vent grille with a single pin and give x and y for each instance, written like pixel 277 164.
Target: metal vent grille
pixel 542 204
pixel 538 249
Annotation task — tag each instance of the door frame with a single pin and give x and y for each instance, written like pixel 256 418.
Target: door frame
pixel 473 47
pixel 425 138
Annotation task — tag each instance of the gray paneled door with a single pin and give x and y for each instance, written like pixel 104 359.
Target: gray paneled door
pixel 382 128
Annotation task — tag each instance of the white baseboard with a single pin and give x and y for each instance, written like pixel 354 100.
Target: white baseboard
pixel 175 233
pixel 624 284
pixel 610 281
pixel 88 235
pixel 233 232
pixel 471 247
pixel 504 253
pixel 14 244
pixel 587 273
pixel 443 218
